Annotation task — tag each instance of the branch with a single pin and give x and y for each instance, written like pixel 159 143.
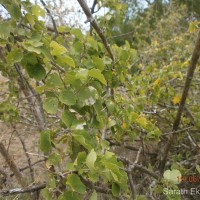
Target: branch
pixel 52 19
pixel 93 6
pixel 5 179
pixel 29 91
pixel 92 21
pixel 138 167
pixel 190 73
pixel 27 167
pixel 99 189
pixel 130 177
pixel 12 165
pixel 23 190
pixel 27 155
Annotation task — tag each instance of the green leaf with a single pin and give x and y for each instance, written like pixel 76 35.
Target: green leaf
pixel 57 49
pixel 82 74
pixel 96 73
pixel 36 71
pixel 69 196
pixel 30 19
pixel 46 194
pixel 6 107
pixel 198 168
pixel 54 159
pixel 98 62
pixel 141 197
pixel 68 118
pixel 51 105
pixel 52 182
pixel 77 32
pixel 54 81
pixel 31 48
pixel 70 77
pixel 124 55
pixel 45 142
pixel 37 11
pixel 5 30
pixel 14 56
pixel 115 189
pixel 14 10
pixel 93 196
pixel 62 29
pixel 91 158
pixel 75 183
pixel 68 60
pixel 88 95
pixel 172 175
pixel 83 138
pixel 80 160
pixel 67 97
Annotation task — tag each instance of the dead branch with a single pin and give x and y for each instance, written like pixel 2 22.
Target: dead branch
pixel 27 167
pixel 138 167
pixel 12 165
pixel 100 189
pixel 130 177
pixel 23 190
pixel 5 179
pixel 27 155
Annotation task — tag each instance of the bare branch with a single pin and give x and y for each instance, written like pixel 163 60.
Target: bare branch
pixel 52 19
pixel 27 167
pixel 138 167
pixel 12 165
pixel 23 190
pixel 93 6
pixel 25 151
pixel 130 177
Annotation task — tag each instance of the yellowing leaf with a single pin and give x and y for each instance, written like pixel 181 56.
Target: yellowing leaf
pixel 124 125
pixel 176 100
pixel 193 26
pixel 157 82
pixel 142 121
pixel 57 49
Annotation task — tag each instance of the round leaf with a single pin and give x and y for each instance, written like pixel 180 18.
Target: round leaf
pixel 45 143
pixel 172 175
pixel 67 97
pixel 75 183
pixel 51 105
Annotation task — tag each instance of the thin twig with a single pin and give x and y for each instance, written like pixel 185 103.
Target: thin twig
pixel 130 170
pixel 27 167
pixel 138 167
pixel 35 154
pixel 52 19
